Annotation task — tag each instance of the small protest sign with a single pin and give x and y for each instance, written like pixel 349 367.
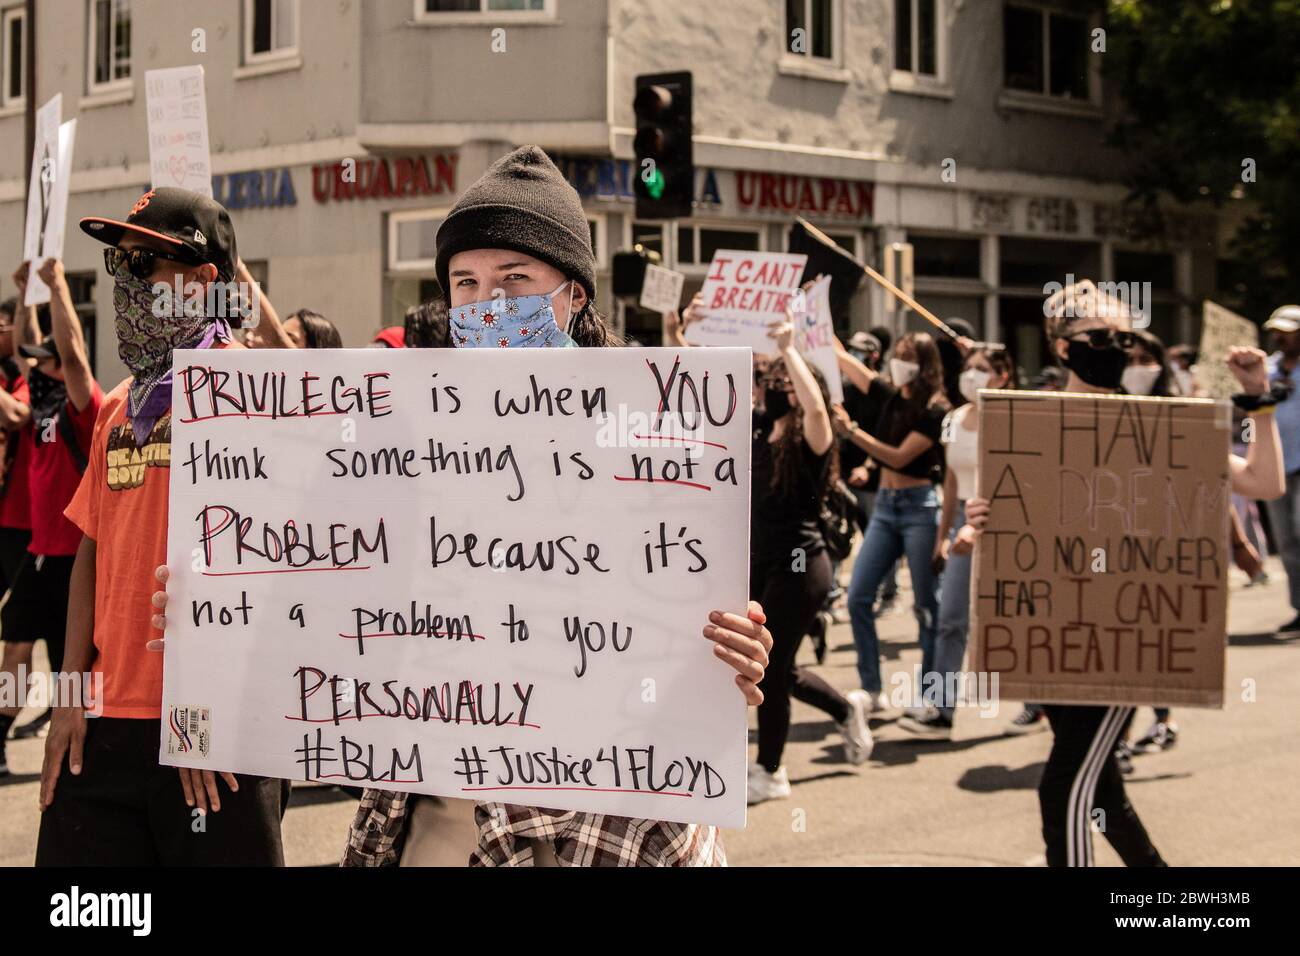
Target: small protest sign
pixel 1102 575
pixel 178 129
pixel 814 335
pixel 475 573
pixel 1221 329
pixel 661 290
pixel 47 194
pixel 743 293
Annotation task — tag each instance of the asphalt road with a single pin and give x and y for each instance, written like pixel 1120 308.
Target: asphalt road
pixel 1224 795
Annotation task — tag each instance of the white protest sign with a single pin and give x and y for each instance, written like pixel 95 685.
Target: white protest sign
pixel 479 574
pixel 814 334
pixel 178 129
pixel 661 290
pixel 47 196
pixel 743 293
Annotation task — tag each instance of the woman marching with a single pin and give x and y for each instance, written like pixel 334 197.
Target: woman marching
pixel 984 368
pixel 905 441
pixel 1092 337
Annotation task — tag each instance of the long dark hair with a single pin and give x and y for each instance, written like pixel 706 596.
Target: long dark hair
pixel 427 325
pixel 591 330
pixel 317 331
pixel 1152 345
pixel 787 451
pixel 1000 359
pixel 927 387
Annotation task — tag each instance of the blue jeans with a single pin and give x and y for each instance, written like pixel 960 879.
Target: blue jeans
pixel 903 522
pixel 1284 515
pixel 954 620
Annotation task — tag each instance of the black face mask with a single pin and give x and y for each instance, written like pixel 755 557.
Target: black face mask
pixel 777 402
pixel 1100 368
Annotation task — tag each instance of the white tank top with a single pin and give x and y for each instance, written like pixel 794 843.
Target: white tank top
pixel 962 451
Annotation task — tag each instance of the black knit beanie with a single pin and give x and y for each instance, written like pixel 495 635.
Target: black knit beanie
pixel 523 203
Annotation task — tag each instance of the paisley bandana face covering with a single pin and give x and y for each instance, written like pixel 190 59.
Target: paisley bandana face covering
pixel 524 322
pixel 145 341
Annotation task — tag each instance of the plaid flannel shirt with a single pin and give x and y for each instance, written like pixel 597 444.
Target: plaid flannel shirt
pixel 506 833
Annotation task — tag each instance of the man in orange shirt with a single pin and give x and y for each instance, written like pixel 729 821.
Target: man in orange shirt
pixel 104 796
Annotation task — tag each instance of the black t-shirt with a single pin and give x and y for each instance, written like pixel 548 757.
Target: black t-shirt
pixel 897 420
pixel 779 523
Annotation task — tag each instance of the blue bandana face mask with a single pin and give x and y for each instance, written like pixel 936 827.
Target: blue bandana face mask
pixel 524 322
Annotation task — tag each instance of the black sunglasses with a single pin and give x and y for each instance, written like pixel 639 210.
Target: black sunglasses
pixel 1105 338
pixel 139 262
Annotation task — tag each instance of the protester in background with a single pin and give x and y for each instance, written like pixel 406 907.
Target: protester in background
pixel 1148 372
pixel 954 545
pixel 268 332
pixel 64 400
pixel 886 339
pixel 391 337
pixel 1182 360
pixel 105 798
pixel 311 330
pixel 953 358
pixel 905 442
pixel 792 461
pixel 427 326
pixel 1050 379
pixel 1091 336
pixel 521 228
pixel 15 510
pixel 1284 512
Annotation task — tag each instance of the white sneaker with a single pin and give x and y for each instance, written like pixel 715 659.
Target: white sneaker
pixel 877 703
pixel 766 786
pixel 858 742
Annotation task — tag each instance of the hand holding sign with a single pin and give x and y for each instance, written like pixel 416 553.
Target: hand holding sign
pixel 742 293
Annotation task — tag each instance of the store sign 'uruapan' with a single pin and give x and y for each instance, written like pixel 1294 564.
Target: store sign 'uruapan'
pixel 379 177
pixel 779 192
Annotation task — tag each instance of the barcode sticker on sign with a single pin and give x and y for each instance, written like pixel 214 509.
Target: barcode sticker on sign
pixel 189 731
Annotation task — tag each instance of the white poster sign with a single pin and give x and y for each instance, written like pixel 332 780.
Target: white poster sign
pixel 814 335
pixel 178 129
pixel 661 290
pixel 743 293
pixel 47 194
pixel 1221 329
pixel 479 574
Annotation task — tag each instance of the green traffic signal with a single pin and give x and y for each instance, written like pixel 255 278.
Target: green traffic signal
pixel 654 184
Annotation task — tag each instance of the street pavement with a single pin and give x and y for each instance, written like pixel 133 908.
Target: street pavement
pixel 1225 795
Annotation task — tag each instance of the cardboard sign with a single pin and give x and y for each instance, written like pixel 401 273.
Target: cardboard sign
pixel 1221 329
pixel 1102 576
pixel 474 573
pixel 814 335
pixel 661 290
pixel 47 194
pixel 178 129
pixel 744 292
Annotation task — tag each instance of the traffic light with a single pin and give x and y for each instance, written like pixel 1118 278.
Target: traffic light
pixel 665 161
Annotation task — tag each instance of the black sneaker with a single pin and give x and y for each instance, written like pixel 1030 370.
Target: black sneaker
pixel 1028 721
pixel 931 725
pixel 1291 627
pixel 1123 757
pixel 1160 737
pixel 4 763
pixel 821 625
pixel 35 727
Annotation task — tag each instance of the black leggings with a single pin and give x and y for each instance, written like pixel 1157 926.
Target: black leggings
pixel 790 600
pixel 1082 776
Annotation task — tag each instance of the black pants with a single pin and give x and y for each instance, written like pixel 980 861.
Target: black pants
pixel 790 599
pixel 125 809
pixel 1081 775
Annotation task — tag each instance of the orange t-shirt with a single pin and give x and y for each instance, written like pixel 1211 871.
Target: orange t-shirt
pixel 122 505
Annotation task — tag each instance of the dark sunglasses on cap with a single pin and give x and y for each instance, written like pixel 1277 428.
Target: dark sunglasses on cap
pixel 140 262
pixel 1105 338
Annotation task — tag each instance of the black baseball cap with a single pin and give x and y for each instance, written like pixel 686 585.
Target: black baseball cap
pixel 187 220
pixel 47 349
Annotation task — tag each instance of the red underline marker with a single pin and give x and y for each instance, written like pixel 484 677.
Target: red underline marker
pixel 663 481
pixel 343 776
pixel 657 793
pixel 431 720
pixel 208 418
pixel 366 637
pixel 695 441
pixel 236 574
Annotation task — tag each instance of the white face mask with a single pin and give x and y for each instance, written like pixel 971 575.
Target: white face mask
pixel 971 381
pixel 1140 379
pixel 902 372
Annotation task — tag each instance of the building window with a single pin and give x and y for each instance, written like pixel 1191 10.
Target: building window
pixel 11 57
pixel 435 9
pixel 81 287
pixel 916 41
pixel 1031 264
pixel 1046 53
pixel 110 45
pixel 270 29
pixel 940 257
pixel 810 27
pixel 697 244
pixel 596 224
pixel 412 240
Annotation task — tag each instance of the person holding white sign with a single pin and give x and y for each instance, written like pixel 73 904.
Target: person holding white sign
pixel 1092 337
pixel 519 237
pixel 105 798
